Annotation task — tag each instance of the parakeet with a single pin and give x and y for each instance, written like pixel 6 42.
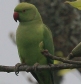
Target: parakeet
pixel 76 4
pixel 33 36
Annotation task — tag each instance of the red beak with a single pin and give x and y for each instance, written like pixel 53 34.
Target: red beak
pixel 16 16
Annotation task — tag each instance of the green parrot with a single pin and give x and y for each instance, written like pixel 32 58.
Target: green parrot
pixel 75 4
pixel 33 36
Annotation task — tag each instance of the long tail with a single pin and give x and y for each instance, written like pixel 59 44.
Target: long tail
pixel 44 77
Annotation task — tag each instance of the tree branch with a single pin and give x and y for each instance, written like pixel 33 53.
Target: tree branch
pixel 39 67
pixel 48 55
pixel 71 64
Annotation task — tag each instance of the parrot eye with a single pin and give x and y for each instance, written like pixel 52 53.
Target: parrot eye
pixel 24 11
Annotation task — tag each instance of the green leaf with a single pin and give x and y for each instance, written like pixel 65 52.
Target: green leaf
pixel 75 4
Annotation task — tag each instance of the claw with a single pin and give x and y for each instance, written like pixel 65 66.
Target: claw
pixel 35 66
pixel 17 68
pixel 45 52
pixel 51 65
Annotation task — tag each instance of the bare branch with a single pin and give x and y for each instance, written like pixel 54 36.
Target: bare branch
pixel 71 64
pixel 39 67
pixel 48 55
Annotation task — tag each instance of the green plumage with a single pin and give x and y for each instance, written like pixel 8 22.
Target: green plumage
pixel 32 36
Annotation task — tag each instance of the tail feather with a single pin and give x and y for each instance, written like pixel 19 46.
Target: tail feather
pixel 44 77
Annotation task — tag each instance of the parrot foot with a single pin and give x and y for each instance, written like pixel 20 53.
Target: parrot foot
pixel 17 68
pixel 45 52
pixel 50 65
pixel 35 66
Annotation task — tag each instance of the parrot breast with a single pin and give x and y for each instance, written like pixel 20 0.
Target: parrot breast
pixel 28 41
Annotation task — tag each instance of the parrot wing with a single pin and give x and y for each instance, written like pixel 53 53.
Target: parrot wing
pixel 48 44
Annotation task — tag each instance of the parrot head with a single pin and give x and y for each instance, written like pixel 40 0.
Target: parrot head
pixel 24 12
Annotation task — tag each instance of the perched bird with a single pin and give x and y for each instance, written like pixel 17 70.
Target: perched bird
pixel 33 36
pixel 75 4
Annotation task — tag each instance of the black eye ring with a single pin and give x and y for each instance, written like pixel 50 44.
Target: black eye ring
pixel 24 11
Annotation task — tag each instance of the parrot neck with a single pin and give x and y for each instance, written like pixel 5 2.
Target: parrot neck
pixel 31 22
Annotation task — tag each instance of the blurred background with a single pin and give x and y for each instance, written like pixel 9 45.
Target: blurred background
pixel 65 24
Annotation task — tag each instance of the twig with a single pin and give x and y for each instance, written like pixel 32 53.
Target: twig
pixel 48 55
pixel 12 37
